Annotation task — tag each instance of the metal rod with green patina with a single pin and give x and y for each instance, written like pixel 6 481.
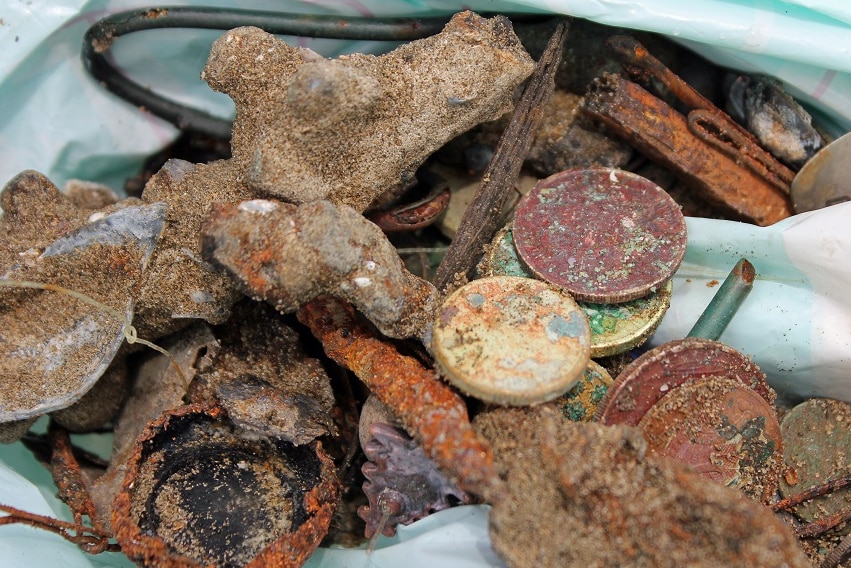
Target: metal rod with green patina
pixel 724 305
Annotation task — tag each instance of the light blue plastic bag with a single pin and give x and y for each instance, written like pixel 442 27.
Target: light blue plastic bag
pixel 55 119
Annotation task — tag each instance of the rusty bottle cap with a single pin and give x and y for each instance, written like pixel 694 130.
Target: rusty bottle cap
pixel 721 428
pixel 198 491
pixel 615 328
pixel 656 373
pixel 511 340
pixel 817 442
pixel 604 235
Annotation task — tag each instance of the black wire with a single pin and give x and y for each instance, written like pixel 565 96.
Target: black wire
pixel 101 35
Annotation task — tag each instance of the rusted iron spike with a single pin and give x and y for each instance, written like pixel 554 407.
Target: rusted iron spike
pixel 663 135
pixel 87 538
pixel 709 123
pixel 824 524
pixel 429 409
pixel 825 488
pixel 482 218
pixel 69 479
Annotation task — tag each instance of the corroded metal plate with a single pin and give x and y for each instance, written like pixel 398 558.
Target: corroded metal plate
pixel 511 340
pixel 605 235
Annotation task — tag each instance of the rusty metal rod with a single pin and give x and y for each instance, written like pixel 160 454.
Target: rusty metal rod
pixel 431 411
pixel 709 123
pixel 663 135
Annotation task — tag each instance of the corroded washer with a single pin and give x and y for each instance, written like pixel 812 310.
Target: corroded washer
pixel 604 235
pixel 666 367
pixel 615 328
pixel 722 429
pixel 511 340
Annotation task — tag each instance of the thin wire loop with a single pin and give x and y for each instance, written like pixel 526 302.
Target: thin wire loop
pixel 100 37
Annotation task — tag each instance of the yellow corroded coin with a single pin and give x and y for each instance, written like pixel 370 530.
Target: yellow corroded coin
pixel 511 340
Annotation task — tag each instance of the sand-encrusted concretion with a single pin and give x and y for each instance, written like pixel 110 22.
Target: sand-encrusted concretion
pixel 349 129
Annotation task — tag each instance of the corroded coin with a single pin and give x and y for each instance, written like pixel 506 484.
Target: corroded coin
pixel 511 340
pixel 615 328
pixel 656 373
pixel 604 235
pixel 817 446
pixel 722 429
pixel 580 404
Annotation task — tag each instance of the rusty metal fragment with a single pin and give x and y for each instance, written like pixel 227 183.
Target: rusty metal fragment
pixel 428 409
pixel 706 121
pixel 664 135
pixel 260 502
pixel 584 494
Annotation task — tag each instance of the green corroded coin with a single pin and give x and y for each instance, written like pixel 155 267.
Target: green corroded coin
pixel 511 340
pixel 615 328
pixel 580 404
pixel 817 448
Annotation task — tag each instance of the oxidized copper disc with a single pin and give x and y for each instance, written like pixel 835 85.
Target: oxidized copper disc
pixel 511 340
pixel 615 328
pixel 722 429
pixel 655 373
pixel 604 235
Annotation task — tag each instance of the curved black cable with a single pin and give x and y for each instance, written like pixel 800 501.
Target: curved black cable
pixel 101 35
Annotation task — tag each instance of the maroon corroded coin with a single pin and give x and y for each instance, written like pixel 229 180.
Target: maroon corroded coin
pixel 722 429
pixel 604 235
pixel 653 375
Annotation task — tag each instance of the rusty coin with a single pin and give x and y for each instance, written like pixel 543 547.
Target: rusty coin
pixel 656 373
pixel 722 429
pixel 615 328
pixel 604 235
pixel 511 340
pixel 817 442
